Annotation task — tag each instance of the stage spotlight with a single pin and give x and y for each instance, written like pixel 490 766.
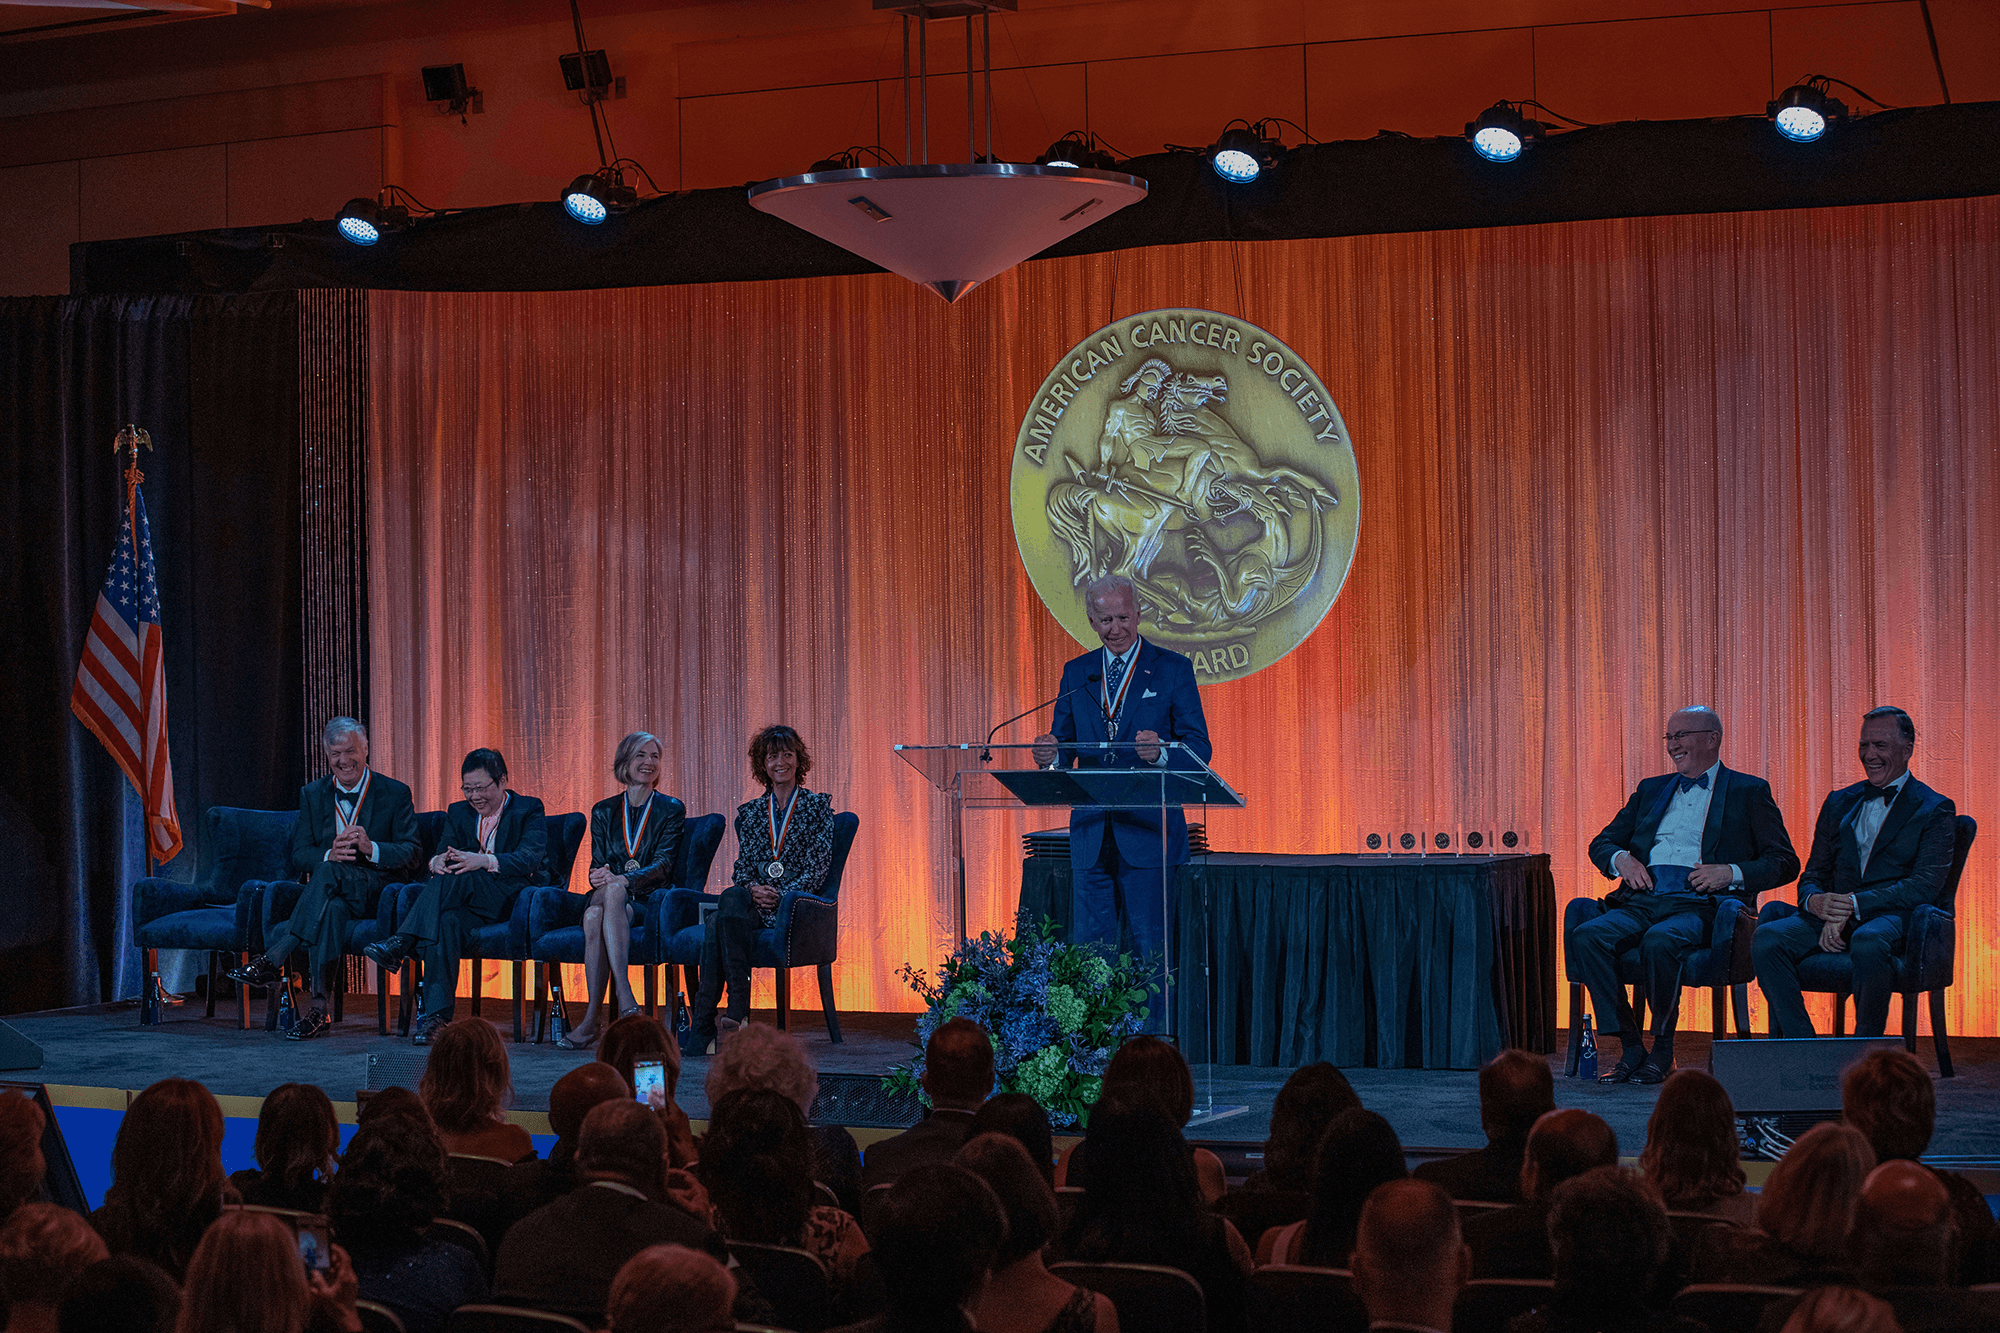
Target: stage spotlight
pixel 1242 155
pixel 593 198
pixel 1501 133
pixel 364 221
pixel 1077 151
pixel 1804 110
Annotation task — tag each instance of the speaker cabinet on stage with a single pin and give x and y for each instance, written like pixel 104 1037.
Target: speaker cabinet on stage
pixel 1781 1087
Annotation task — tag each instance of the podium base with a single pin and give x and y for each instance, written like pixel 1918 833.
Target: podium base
pixel 1207 1115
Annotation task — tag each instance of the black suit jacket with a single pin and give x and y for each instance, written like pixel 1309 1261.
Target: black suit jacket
pixel 937 1139
pixel 520 844
pixel 1744 829
pixel 658 846
pixel 562 1257
pixel 1908 864
pixel 1511 1242
pixel 1490 1175
pixel 387 815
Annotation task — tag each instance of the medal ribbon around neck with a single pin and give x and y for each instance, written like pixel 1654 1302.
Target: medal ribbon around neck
pixel 1113 707
pixel 778 831
pixel 486 835
pixel 341 823
pixel 634 841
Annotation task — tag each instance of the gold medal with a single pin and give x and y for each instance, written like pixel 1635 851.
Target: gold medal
pixel 1203 459
pixel 633 841
pixel 631 864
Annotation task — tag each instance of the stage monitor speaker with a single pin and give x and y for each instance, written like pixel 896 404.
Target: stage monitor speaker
pixel 859 1100
pixel 1777 1076
pixel 59 1180
pixel 16 1051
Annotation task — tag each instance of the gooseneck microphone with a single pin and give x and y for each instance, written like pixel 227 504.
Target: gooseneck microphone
pixel 986 754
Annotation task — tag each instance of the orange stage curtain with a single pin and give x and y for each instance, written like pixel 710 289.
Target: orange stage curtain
pixel 1608 469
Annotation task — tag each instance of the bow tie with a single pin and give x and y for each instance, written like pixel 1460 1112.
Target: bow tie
pixel 1684 782
pixel 1883 794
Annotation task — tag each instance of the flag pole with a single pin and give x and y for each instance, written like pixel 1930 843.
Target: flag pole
pixel 127 442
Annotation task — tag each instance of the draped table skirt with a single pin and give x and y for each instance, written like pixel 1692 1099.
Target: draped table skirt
pixel 1396 962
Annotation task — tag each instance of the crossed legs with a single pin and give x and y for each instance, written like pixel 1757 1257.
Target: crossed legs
pixel 607 953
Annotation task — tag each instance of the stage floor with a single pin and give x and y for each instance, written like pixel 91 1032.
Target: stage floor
pixel 104 1049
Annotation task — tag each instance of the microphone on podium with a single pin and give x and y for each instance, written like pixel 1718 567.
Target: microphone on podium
pixel 986 754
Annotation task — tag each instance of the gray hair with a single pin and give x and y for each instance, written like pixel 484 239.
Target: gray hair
pixel 1105 584
pixel 1905 728
pixel 1703 710
pixel 757 1055
pixel 340 726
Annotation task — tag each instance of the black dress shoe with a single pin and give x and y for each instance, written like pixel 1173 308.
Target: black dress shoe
pixel 314 1024
pixel 388 954
pixel 1649 1072
pixel 259 971
pixel 1622 1072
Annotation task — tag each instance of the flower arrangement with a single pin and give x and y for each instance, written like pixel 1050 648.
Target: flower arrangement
pixel 1055 1012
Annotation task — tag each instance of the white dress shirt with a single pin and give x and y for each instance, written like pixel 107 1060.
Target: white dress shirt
pixel 1131 659
pixel 1678 841
pixel 1868 817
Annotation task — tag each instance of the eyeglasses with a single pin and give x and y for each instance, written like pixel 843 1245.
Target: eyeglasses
pixel 1673 736
pixel 480 791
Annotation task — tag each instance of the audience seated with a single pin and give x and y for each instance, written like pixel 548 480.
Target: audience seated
pixel 1150 1070
pixel 166 1175
pixel 1022 1119
pixel 1022 1296
pixel 123 1292
pixel 1611 1241
pixel 21 1165
pixel 297 1139
pixel 1280 1192
pixel 466 1088
pixel 1358 1152
pixel 1691 1149
pixel 1888 1096
pixel 245 1277
pixel 1141 1204
pixel 43 1249
pixel 1841 1310
pixel 1514 1242
pixel 1804 1217
pixel 639 1036
pixel 756 1164
pixel 939 1232
pixel 757 1055
pixel 1516 1089
pixel 391 1185
pixel 392 1101
pixel 672 1289
pixel 562 1256
pixel 958 1075
pixel 1409 1262
pixel 530 1184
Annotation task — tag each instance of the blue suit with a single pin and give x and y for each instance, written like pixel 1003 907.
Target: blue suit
pixel 1123 870
pixel 1907 866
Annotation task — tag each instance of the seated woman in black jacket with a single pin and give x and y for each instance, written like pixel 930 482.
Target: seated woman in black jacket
pixel 634 840
pixel 297 1140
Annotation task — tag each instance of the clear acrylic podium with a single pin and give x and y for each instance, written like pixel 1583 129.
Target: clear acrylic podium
pixel 993 777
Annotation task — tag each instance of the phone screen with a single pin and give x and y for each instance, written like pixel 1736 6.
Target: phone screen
pixel 315 1243
pixel 648 1077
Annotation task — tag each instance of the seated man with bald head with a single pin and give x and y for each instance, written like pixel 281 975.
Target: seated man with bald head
pixel 1409 1260
pixel 1888 1096
pixel 1516 1089
pixel 1514 1242
pixel 958 1076
pixel 543 1180
pixel 1683 840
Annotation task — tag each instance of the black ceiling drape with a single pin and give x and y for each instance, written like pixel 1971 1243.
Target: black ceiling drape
pixel 216 381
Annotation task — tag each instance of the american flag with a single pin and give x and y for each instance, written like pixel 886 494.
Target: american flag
pixel 121 687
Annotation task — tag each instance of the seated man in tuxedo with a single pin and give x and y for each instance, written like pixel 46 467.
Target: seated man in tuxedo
pixel 1880 848
pixel 1681 840
pixel 356 829
pixel 494 844
pixel 1135 691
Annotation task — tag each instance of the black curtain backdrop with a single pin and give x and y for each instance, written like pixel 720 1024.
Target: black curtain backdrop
pixel 216 382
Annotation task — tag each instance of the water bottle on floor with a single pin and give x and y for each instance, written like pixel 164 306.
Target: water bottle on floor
pixel 288 1017
pixel 558 1015
pixel 681 1011
pixel 1586 1061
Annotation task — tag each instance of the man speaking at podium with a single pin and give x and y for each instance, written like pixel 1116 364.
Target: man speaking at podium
pixel 1129 690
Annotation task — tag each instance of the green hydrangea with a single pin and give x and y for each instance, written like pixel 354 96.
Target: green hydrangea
pixel 1042 1077
pixel 1067 1009
pixel 1095 971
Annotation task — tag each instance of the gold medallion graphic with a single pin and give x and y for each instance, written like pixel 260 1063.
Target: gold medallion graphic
pixel 1202 458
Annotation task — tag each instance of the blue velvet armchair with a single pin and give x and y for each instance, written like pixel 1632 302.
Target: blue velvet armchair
pixel 1923 968
pixel 508 936
pixel 376 922
pixel 1724 965
pixel 805 934
pixel 555 921
pixel 222 911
